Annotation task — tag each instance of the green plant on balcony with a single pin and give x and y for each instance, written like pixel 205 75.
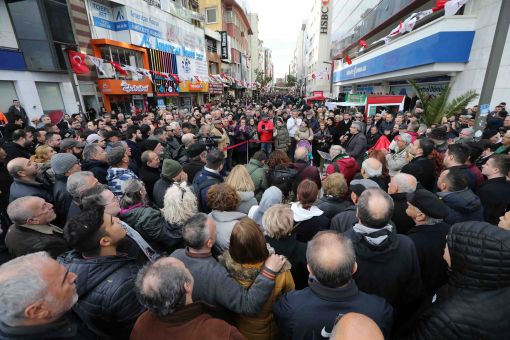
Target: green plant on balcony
pixel 435 107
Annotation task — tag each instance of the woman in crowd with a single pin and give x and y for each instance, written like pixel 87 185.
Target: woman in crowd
pixel 43 155
pixel 334 200
pixel 272 195
pixel 308 219
pixel 180 203
pixel 241 181
pixel 252 131
pixel 304 136
pixel 278 222
pixel 281 171
pixel 244 260
pixel 223 200
pixel 321 141
pixel 241 134
pixel 149 222
pixel 281 136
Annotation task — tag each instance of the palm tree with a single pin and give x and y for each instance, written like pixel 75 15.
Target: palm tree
pixel 437 107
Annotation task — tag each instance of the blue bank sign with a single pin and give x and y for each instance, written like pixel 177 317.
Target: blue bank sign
pixel 442 47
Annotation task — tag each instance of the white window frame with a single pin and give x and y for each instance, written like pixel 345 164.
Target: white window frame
pixel 207 16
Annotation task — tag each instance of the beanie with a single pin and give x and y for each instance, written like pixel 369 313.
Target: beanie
pixel 170 168
pixel 62 162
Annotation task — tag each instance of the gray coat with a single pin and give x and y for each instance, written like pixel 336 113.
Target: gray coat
pixel 214 285
pixel 225 221
pixel 21 189
pixel 248 200
pixel 356 147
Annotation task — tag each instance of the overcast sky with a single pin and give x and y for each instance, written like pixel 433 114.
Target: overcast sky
pixel 279 25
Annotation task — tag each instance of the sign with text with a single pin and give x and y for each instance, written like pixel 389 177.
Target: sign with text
pixel 224 44
pixel 114 86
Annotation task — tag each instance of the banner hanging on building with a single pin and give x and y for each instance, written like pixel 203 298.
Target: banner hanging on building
pixel 224 44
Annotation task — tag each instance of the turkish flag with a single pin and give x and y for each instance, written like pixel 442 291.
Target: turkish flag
pixel 363 43
pixel 118 68
pixel 439 5
pixel 77 61
pixel 347 59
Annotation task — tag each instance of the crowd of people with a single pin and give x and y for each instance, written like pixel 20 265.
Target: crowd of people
pixel 244 220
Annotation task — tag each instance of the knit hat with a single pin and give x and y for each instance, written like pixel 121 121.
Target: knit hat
pixel 359 185
pixel 170 168
pixel 438 133
pixel 428 203
pixel 62 162
pixel 93 138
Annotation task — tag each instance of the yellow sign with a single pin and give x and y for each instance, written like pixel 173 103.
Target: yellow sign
pixel 189 86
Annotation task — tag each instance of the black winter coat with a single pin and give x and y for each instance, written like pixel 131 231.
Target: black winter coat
pixel 332 205
pixel 430 241
pixel 98 168
pixel 476 299
pixel 14 150
pixel 22 240
pixel 149 177
pixel 390 270
pixel 422 169
pixel 295 252
pixel 306 230
pixel 345 220
pixel 192 168
pixel 159 191
pixel 495 196
pixel 400 218
pixel 463 205
pixel 62 200
pixel 105 285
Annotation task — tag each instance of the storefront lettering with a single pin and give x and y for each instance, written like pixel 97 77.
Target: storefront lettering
pixel 355 70
pixel 324 17
pixel 126 87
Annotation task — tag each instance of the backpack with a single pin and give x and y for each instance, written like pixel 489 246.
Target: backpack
pixel 198 187
pixel 283 178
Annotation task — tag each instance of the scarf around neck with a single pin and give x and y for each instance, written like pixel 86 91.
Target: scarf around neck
pixel 373 236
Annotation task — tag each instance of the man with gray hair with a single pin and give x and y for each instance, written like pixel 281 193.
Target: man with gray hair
pixel 311 313
pixel 118 172
pixel 387 262
pixel 32 230
pixel 94 160
pixel 398 188
pixel 372 169
pixel 165 288
pixel 36 294
pixel 341 162
pixel 398 155
pixel 213 284
pixel 466 135
pixel 77 183
pixel 356 144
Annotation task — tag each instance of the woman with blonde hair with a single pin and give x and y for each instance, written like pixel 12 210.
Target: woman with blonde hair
pixel 180 203
pixel 241 181
pixel 43 154
pixel 244 260
pixel 334 200
pixel 278 222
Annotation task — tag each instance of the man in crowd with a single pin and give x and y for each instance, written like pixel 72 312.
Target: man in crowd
pixel 398 188
pixel 165 288
pixel 37 294
pixel 372 168
pixel 94 160
pixel 495 191
pixel 171 172
pixel 107 300
pixel 17 111
pixel 19 147
pixel 63 165
pixel 53 139
pixel 420 166
pixel 265 130
pixel 118 172
pixel 149 172
pixel 77 183
pixel 32 230
pixel 24 173
pixel 209 176
pixel 305 171
pixel 456 157
pixel 72 146
pixel 293 124
pixel 311 313
pixel 197 154
pixel 356 144
pixel 213 284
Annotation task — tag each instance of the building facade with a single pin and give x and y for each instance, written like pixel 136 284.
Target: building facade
pixel 433 49
pixel 33 38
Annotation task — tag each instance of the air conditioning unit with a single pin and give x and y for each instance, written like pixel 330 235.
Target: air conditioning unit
pixel 109 72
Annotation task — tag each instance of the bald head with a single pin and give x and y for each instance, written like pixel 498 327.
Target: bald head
pixel 375 208
pixel 301 154
pixel 355 326
pixel 371 167
pixel 331 258
pixel 22 168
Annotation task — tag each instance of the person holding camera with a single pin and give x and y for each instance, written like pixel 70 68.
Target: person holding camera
pixel 265 130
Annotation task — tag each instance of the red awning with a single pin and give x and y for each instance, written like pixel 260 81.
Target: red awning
pixel 316 98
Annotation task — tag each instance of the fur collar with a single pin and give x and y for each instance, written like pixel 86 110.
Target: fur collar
pixel 245 272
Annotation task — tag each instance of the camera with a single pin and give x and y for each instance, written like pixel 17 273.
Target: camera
pixel 210 142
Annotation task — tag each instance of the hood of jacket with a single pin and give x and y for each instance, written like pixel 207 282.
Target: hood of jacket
pixel 464 201
pixel 92 272
pixel 366 250
pixel 301 214
pixel 271 196
pixel 92 163
pixel 226 216
pixel 480 256
pixel 347 162
pixel 114 173
pixel 246 195
pixel 245 272
pixel 255 162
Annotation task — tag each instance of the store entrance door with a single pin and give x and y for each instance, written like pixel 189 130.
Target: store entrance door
pixel 121 103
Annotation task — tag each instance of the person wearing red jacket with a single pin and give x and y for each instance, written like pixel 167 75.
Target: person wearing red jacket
pixel 265 130
pixel 342 163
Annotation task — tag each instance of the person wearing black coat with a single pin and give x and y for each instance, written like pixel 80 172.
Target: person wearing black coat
pixel 356 145
pixel 429 236
pixel 94 160
pixel 495 191
pixel 334 200
pixel 476 297
pixel 105 285
pixel 398 188
pixel 17 111
pixel 420 166
pixel 18 148
pixel 388 263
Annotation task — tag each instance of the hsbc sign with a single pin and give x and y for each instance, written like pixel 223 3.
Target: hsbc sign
pixel 324 17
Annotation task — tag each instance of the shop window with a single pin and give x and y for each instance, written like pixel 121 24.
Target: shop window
pixel 7 95
pixel 38 55
pixel 50 97
pixel 59 21
pixel 211 15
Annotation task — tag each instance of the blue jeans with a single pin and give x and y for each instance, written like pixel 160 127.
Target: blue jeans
pixel 267 147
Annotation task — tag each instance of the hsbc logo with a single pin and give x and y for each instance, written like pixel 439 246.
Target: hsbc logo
pixel 325 2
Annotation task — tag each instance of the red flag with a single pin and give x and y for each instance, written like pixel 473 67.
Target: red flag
pixel 347 59
pixel 118 68
pixel 439 5
pixel 363 43
pixel 197 78
pixel 176 78
pixel 313 76
pixel 77 61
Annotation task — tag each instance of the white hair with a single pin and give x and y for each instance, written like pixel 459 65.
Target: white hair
pixel 21 284
pixel 405 183
pixel 180 203
pixel 76 183
pixel 336 150
pixel 371 172
pixel 174 125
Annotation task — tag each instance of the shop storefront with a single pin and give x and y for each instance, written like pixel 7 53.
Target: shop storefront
pixel 125 95
pixel 164 86
pixel 193 93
